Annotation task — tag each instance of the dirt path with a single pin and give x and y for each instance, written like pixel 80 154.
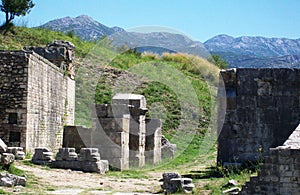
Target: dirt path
pixel 61 180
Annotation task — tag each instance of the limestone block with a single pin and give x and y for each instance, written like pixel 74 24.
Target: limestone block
pixel 9 180
pixel 42 156
pixel 7 158
pixel 20 155
pixel 3 146
pixel 18 152
pixel 89 155
pixel 99 167
pixel 167 177
pixel 6 182
pixel 67 154
pixel 138 101
pixel 104 166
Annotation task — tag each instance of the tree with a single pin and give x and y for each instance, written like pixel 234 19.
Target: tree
pixel 216 59
pixel 13 8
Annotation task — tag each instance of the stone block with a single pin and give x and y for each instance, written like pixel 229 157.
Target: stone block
pixel 137 101
pixel 67 154
pixel 20 155
pixel 18 152
pixel 7 158
pixel 89 155
pixel 42 156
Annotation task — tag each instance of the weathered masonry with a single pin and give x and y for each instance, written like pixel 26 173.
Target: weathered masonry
pixel 280 172
pixel 36 97
pixel 121 132
pixel 262 110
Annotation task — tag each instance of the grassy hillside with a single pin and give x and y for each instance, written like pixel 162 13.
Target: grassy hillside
pixel 179 88
pixel 18 37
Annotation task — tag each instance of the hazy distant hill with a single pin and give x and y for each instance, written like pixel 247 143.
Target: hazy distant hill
pixel 159 42
pixel 249 51
pixel 243 51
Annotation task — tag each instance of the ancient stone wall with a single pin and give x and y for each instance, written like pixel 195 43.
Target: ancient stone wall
pixel 262 110
pixel 50 103
pixel 37 99
pixel 280 172
pixel 13 97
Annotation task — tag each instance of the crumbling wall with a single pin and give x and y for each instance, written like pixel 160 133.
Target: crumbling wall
pixel 262 110
pixel 280 172
pixel 37 99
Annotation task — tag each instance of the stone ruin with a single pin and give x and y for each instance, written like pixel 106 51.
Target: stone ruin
pixel 61 53
pixel 261 116
pixel 88 160
pixel 280 172
pixel 262 110
pixel 7 156
pixel 174 183
pixel 122 133
pixel 37 95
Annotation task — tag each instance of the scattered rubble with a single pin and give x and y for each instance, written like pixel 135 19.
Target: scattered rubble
pixel 88 160
pixel 172 183
pixel 9 180
pixel 18 152
pixel 9 154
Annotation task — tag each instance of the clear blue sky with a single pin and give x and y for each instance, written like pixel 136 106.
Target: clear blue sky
pixel 199 19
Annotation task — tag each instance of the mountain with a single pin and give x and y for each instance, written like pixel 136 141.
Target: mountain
pixel 245 51
pixel 159 42
pixel 256 52
pixel 83 26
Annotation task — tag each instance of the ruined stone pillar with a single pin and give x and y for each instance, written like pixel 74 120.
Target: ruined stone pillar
pixel 111 134
pixel 137 133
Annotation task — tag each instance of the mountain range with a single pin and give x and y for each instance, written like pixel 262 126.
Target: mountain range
pixel 245 51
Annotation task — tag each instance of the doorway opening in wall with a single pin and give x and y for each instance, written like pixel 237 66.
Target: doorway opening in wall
pixel 12 118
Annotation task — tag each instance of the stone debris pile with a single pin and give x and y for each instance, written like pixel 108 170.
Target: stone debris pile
pixel 88 160
pixel 173 183
pixel 9 154
pixel 61 53
pixel 10 180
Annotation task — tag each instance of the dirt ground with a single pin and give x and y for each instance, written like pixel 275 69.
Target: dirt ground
pixel 60 181
pixel 45 180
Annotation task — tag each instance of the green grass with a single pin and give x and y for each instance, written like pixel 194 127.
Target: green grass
pixel 16 171
pixel 18 37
